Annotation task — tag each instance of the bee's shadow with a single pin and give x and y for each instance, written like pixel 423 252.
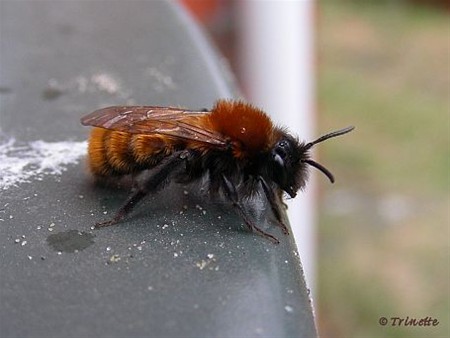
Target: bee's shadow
pixel 185 207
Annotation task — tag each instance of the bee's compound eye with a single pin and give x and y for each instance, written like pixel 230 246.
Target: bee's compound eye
pixel 281 149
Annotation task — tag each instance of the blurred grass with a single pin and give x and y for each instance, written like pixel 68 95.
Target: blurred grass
pixel 384 227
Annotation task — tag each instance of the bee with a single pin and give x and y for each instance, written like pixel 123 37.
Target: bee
pixel 235 146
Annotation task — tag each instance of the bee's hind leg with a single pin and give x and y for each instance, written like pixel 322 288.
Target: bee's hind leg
pixel 125 209
pixel 151 184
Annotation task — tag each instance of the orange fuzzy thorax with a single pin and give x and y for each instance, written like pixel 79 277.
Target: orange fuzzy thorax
pixel 249 128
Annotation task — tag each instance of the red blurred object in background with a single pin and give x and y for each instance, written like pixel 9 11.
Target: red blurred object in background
pixel 202 10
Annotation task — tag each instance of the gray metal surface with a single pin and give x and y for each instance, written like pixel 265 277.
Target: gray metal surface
pixel 181 265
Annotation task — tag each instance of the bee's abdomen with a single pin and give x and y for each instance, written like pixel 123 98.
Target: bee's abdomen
pixel 115 153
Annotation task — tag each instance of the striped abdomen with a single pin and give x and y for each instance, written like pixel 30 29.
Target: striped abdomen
pixel 114 153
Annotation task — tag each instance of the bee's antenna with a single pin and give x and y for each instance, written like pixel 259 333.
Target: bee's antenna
pixel 321 168
pixel 318 166
pixel 329 135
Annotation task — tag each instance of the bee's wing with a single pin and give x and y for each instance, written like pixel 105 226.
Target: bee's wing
pixel 151 120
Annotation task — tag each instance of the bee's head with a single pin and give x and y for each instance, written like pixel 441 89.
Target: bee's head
pixel 289 159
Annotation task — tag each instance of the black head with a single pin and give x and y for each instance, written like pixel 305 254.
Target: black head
pixel 289 160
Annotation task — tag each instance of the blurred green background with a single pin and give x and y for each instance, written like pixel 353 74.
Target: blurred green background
pixel 383 237
pixel 384 228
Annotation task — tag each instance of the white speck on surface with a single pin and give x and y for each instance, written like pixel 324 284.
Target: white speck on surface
pixel 202 264
pixel 210 263
pixel 165 226
pixel 106 83
pixel 162 82
pixel 97 82
pixel 25 162
pixel 288 308
pixel 23 243
pixel 114 258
